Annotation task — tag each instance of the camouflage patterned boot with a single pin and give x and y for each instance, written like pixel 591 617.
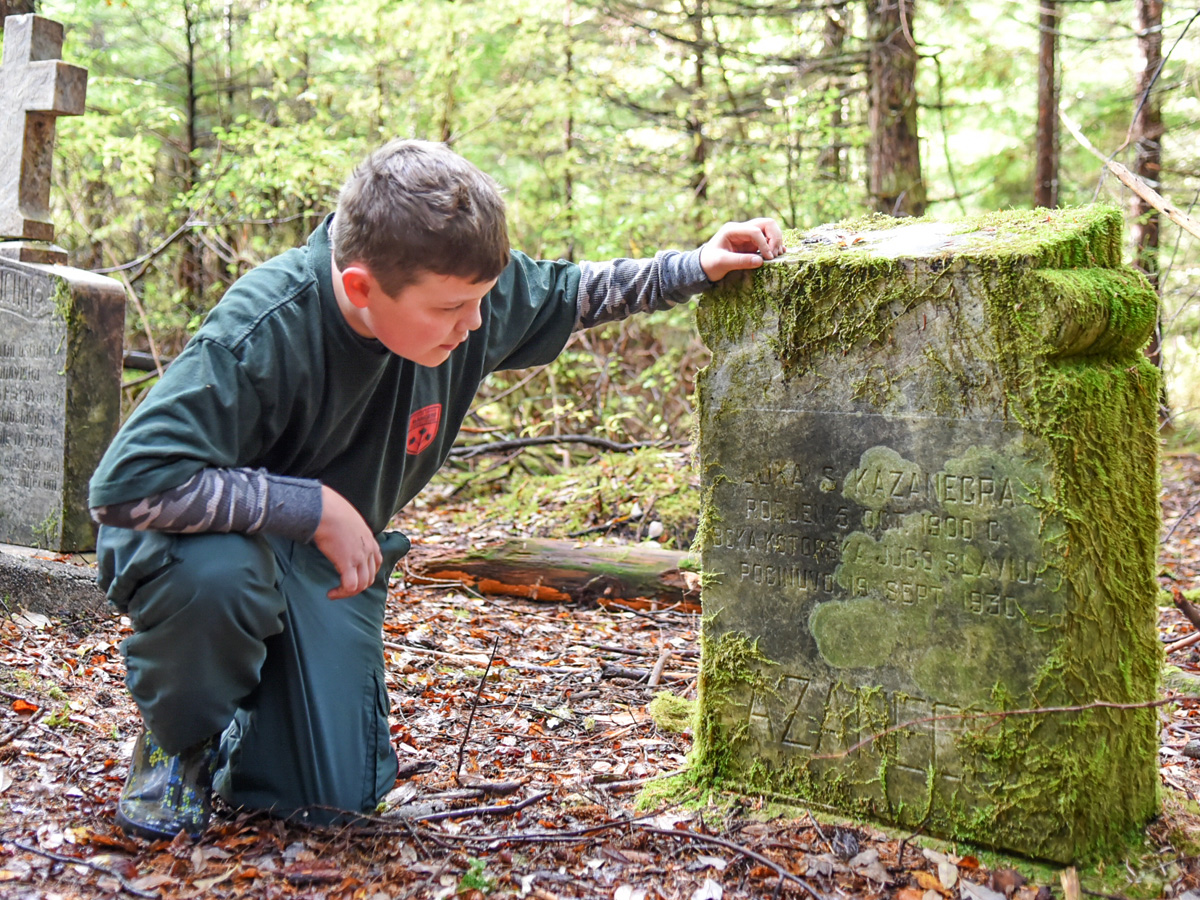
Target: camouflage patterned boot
pixel 164 794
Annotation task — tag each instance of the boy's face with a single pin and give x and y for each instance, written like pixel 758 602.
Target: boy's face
pixel 424 322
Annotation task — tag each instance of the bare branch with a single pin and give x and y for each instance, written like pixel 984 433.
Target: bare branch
pixel 1179 217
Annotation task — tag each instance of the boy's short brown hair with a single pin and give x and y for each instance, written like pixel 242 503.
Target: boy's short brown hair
pixel 413 207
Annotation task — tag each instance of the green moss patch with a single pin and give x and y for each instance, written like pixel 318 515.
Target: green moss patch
pixel 929 482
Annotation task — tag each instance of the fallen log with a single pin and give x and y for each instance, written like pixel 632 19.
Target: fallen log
pixel 632 576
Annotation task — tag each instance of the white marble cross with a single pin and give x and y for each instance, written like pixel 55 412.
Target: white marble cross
pixel 35 88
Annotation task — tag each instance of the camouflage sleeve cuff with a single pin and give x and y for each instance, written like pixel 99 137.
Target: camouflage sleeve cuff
pixel 225 500
pixel 611 291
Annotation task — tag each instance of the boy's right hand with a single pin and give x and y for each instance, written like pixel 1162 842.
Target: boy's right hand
pixel 345 538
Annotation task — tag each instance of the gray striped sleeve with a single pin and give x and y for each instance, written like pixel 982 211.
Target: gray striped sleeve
pixel 224 500
pixel 615 290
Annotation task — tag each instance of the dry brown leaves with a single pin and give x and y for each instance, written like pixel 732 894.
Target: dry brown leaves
pixel 542 806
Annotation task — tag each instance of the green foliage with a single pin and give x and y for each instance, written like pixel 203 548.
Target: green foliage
pixel 671 712
pixel 599 493
pixel 217 136
pixel 475 878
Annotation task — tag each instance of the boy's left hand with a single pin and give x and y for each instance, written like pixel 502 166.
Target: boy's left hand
pixel 741 245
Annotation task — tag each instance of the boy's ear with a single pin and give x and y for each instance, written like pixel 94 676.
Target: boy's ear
pixel 357 281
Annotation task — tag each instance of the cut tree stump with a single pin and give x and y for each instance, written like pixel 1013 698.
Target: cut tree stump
pixel 633 576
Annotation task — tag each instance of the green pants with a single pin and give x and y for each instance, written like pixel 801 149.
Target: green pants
pixel 235 634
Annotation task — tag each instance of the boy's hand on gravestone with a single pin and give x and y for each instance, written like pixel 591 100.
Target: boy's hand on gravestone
pixel 741 245
pixel 346 540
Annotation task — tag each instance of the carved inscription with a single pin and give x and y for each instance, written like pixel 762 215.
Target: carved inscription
pixel 967 532
pixel 920 555
pixel 826 721
pixel 32 405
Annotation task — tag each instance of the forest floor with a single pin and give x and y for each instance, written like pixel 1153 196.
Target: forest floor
pixel 570 747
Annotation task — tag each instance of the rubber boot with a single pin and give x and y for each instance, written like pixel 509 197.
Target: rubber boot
pixel 164 794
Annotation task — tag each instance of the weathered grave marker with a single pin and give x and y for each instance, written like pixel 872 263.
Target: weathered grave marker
pixel 929 462
pixel 61 329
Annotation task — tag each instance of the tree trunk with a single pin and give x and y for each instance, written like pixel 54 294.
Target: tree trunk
pixel 696 121
pixel 1147 136
pixel 829 160
pixel 561 571
pixel 569 139
pixel 895 152
pixel 1045 190
pixel 191 264
pixel 449 101
pixel 15 8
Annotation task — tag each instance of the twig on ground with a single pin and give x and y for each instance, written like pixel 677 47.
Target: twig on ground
pixel 76 861
pixel 656 674
pixel 817 825
pixel 736 848
pixel 599 782
pixel 415 767
pixel 1183 643
pixel 11 696
pixel 633 651
pixel 494 788
pixel 11 736
pixel 573 836
pixel 1183 516
pixel 475 705
pixel 479 660
pixel 1185 607
pixel 498 810
pixel 904 843
pixel 603 526
pixel 639 675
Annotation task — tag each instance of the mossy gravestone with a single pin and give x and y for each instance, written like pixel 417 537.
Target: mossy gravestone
pixel 61 328
pixel 929 526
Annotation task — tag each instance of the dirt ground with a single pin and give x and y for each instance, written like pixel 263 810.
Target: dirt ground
pixel 563 738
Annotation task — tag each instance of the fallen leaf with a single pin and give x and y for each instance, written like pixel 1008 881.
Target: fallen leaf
pixel 934 857
pixel 710 890
pixel 972 891
pixel 152 882
pixel 1005 881
pixel 206 884
pixel 32 620
pixel 930 882
pixel 947 874
pixel 300 875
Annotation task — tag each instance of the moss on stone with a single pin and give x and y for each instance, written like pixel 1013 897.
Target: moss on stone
pixel 730 667
pixel 1056 350
pixel 671 712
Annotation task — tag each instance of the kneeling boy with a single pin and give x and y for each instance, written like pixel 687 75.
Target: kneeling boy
pixel 243 504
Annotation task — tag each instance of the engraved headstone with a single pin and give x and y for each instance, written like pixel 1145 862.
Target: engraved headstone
pixel 61 329
pixel 929 525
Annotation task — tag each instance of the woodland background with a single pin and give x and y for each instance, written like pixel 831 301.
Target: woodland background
pixel 218 133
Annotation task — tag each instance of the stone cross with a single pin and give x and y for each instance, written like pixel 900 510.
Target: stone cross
pixel 61 328
pixel 930 515
pixel 35 88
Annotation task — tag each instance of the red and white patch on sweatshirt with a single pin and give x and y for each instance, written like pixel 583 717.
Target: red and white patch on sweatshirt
pixel 423 427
